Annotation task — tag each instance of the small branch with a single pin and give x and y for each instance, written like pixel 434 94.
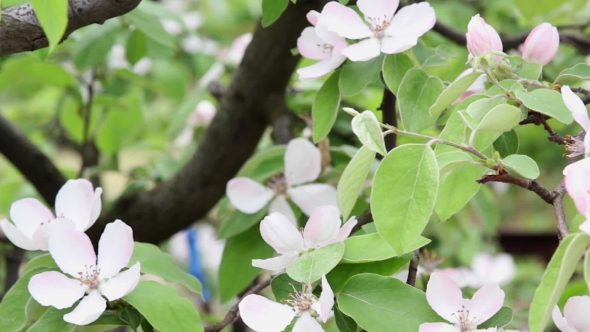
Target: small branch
pixel 532 185
pixel 363 219
pixel 233 313
pixel 13 258
pixel 586 93
pixel 413 269
pixel 562 229
pixel 389 116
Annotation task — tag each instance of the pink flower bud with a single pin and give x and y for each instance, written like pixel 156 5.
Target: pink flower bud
pixel 482 39
pixel 541 45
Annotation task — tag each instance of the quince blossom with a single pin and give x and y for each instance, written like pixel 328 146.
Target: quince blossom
pixel 541 44
pixel 575 318
pixel 482 39
pixel 577 185
pixel 90 278
pixel 264 315
pixel 580 114
pixel 318 43
pixel 444 296
pixel 385 32
pixel 76 205
pixel 322 228
pixel 303 163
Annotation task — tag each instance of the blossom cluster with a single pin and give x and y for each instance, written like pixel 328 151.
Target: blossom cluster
pixel 86 275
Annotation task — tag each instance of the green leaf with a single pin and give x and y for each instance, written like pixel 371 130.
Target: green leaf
pixel 356 75
pixel 325 107
pixel 507 143
pixel 448 161
pixel 94 44
pixel 537 8
pixel 432 57
pixel 480 108
pixel 151 27
pixel 12 307
pixel 282 286
pixel 573 75
pixel 120 126
pixel 386 304
pixel 456 190
pixel 344 323
pixel 587 270
pixel 155 261
pixel 26 70
pixel 528 70
pixel 404 192
pixel 500 319
pixel 371 247
pixel 264 164
pixel 109 317
pixel 136 46
pixel 313 265
pixel 164 308
pixel 131 317
pixel 341 273
pixel 548 102
pixel 522 165
pixel 557 275
pixel 53 16
pixel 416 94
pixel 236 271
pixel 395 67
pixel 52 320
pixel 44 260
pixel 452 92
pixel 509 84
pixel 352 179
pixel 272 10
pixel 503 117
pixel 238 222
pixel 367 129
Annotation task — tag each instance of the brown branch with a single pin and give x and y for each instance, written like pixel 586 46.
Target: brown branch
pixel 363 219
pixel 541 119
pixel 257 89
pixel 389 116
pixel 233 313
pixel 413 269
pixel 30 161
pixel 13 259
pixel 532 185
pixel 562 229
pixel 20 30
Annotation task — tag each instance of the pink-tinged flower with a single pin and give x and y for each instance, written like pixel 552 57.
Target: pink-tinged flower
pixel 303 163
pixel 318 43
pixel 476 87
pixel 577 184
pixel 488 269
pixel 76 205
pixel 576 317
pixel 264 315
pixel 90 278
pixel 541 45
pixel 444 296
pixel 322 228
pixel 482 38
pixel 202 116
pixel 462 276
pixel 385 32
pixel 580 114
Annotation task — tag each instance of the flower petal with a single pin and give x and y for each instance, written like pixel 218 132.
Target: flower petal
pixel 276 263
pixel 95 208
pixel 306 323
pixel 88 310
pixel 321 68
pixel 280 205
pixel 17 237
pixel 311 46
pixel 281 234
pixel 323 225
pixel 438 327
pixel 486 302
pixel 311 196
pixel 576 106
pixel 576 312
pixel 585 227
pixel 398 43
pixel 115 248
pixel 499 269
pixel 75 201
pixel 312 17
pixel 413 20
pixel 72 251
pixel 577 183
pixel 56 289
pixel 264 315
pixel 326 300
pixel 121 284
pixel 248 195
pixel 559 320
pixel 344 231
pixel 41 236
pixel 28 214
pixel 444 296
pixel 383 9
pixel 364 50
pixel 345 21
pixel 303 161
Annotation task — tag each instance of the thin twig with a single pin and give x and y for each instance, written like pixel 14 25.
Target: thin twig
pixel 532 185
pixel 363 219
pixel 13 259
pixel 413 269
pixel 233 313
pixel 562 229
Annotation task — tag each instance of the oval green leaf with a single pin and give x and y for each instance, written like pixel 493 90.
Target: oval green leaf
pixel 416 94
pixel 395 67
pixel 325 107
pixel 573 75
pixel 371 247
pixel 366 128
pixel 503 117
pixel 313 265
pixel 53 16
pixel 452 92
pixel 522 165
pixel 356 75
pixel 548 102
pixel 272 10
pixel 352 179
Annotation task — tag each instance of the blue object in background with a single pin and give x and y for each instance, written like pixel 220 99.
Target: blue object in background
pixel 195 266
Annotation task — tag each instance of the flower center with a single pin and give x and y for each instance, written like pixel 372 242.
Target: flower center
pixel 575 146
pixel 465 323
pixel 278 183
pixel 301 300
pixel 90 277
pixel 378 25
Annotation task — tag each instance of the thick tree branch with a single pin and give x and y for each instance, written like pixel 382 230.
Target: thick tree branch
pixel 389 116
pixel 20 30
pixel 30 161
pixel 256 91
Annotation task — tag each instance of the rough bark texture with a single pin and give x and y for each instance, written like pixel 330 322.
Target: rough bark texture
pixel 254 98
pixel 20 30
